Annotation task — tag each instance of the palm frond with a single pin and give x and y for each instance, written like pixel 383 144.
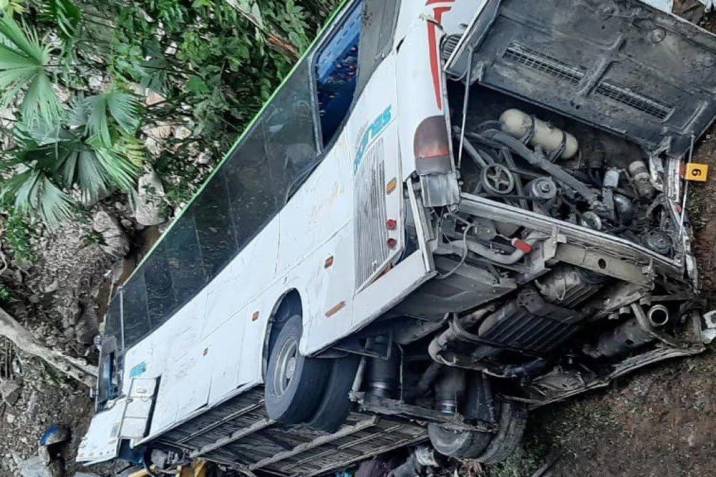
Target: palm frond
pixel 12 6
pixel 118 169
pixel 94 113
pixel 65 14
pixel 34 192
pixel 23 66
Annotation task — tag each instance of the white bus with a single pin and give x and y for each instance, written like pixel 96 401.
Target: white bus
pixel 451 212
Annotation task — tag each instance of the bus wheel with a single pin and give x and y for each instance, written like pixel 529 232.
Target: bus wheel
pixel 484 447
pixel 336 404
pixel 293 381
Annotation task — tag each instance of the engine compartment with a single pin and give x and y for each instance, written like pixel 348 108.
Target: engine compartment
pixel 528 157
pixel 564 265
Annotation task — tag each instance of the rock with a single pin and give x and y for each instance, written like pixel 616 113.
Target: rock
pixel 182 132
pixel 204 158
pixel 114 238
pixel 153 146
pixel 10 418
pixel 171 49
pixel 32 406
pixel 154 98
pixel 10 391
pixel 35 467
pixel 126 223
pixel 161 131
pixel 44 453
pixel 84 474
pixel 52 287
pixel 85 331
pixel 63 94
pixel 96 82
pixel 69 332
pixel 150 208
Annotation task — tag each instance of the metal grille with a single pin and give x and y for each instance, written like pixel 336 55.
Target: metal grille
pixel 634 100
pixel 370 214
pixel 543 63
pixel 449 45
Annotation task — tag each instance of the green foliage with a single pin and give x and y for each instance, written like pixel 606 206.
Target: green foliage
pixel 24 68
pixel 81 155
pixel 12 6
pixel 96 112
pixel 18 234
pixel 214 63
pixel 65 14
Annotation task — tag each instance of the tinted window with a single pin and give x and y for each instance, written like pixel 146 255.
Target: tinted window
pixel 337 72
pixel 160 291
pixel 112 324
pixel 290 135
pixel 136 322
pixel 214 226
pixel 251 193
pixel 183 256
pixel 377 37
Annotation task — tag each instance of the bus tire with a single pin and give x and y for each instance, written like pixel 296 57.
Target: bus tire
pixel 513 421
pixel 336 404
pixel 485 447
pixel 293 381
pixel 458 444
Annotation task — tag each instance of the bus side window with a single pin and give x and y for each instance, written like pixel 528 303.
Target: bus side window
pixel 217 238
pixel 184 259
pixel 337 73
pixel 290 134
pixel 160 290
pixel 251 190
pixel 112 324
pixel 136 322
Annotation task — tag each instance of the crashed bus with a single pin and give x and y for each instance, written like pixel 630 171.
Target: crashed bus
pixel 450 213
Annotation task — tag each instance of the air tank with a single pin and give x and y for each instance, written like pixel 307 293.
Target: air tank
pixel 519 124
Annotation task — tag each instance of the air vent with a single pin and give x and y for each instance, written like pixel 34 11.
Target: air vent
pixel 543 63
pixel 449 45
pixel 634 100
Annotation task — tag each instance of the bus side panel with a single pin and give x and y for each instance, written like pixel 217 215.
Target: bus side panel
pixel 226 349
pixel 245 278
pixel 210 325
pixel 312 219
pixel 328 283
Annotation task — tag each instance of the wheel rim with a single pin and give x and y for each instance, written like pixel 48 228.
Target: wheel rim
pixel 286 366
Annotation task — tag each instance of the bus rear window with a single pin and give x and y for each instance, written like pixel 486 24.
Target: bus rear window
pixel 337 74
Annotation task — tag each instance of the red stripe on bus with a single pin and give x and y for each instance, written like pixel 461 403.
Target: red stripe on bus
pixel 435 53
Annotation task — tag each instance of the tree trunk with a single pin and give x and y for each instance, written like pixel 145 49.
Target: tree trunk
pixel 25 341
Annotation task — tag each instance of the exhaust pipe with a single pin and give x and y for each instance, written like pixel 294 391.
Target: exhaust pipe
pixel 658 316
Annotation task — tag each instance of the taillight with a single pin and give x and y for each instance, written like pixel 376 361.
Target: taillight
pixel 432 147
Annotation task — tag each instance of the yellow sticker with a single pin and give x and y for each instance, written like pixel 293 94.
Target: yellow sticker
pixel 697 172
